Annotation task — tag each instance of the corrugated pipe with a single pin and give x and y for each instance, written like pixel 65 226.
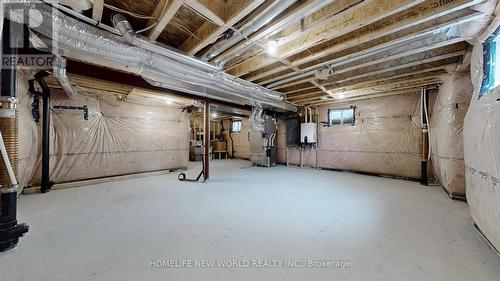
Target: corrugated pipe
pixel 62 78
pixel 79 41
pixel 238 36
pixel 256 121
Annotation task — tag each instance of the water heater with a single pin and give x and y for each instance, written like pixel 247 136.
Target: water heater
pixel 308 132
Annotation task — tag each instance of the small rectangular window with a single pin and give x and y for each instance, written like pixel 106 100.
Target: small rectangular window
pixel 235 126
pixel 343 116
pixel 491 63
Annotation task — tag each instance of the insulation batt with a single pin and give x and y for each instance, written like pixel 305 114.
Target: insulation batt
pixel 119 137
pixel 446 131
pixel 482 150
pixel 386 138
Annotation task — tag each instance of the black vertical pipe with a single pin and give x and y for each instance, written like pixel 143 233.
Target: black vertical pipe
pixel 10 230
pixel 46 184
pixel 424 178
pixel 206 141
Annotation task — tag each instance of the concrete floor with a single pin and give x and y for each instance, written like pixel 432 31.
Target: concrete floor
pixel 387 229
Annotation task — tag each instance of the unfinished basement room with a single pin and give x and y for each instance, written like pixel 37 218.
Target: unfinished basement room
pixel 263 140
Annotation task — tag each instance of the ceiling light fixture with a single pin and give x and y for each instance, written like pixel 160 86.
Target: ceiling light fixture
pixel 272 48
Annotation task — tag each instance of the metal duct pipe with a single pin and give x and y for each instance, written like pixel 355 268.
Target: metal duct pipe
pixel 255 120
pixel 62 78
pixel 122 24
pixel 82 42
pixel 222 46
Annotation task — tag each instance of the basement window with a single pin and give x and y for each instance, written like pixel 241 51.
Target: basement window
pixel 235 126
pixel 491 63
pixel 342 116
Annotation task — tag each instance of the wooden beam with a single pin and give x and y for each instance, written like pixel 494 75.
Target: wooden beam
pixel 414 91
pixel 440 67
pixel 385 60
pixel 389 67
pixel 353 62
pixel 208 33
pixel 344 23
pixel 398 67
pixel 391 82
pixel 97 10
pixel 378 35
pixel 209 9
pixel 368 44
pixel 169 11
pixel 295 20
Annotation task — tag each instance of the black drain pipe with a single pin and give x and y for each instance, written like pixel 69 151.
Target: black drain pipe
pixel 10 230
pixel 46 184
pixel 424 178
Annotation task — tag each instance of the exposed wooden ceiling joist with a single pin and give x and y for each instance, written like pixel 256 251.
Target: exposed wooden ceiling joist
pixel 423 46
pixel 167 12
pixel 300 24
pixel 360 45
pixel 395 60
pixel 403 85
pixel 97 10
pixel 413 91
pixel 344 23
pixel 208 33
pixel 212 10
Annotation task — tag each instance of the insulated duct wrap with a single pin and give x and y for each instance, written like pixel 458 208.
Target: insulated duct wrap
pixel 79 41
pixel 481 149
pixel 256 120
pixel 62 77
pixel 386 138
pixel 446 132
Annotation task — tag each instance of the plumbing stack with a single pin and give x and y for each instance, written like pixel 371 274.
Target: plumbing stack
pixel 10 230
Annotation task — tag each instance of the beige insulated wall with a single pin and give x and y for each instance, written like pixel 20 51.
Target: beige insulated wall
pixel 446 131
pixel 118 138
pixel 386 138
pixel 482 149
pixel 241 142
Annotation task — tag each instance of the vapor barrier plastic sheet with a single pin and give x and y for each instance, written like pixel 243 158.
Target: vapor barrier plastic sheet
pixel 482 150
pixel 118 138
pixel 446 131
pixel 386 138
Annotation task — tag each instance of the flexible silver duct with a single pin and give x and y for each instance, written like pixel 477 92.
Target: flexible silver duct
pixel 229 83
pixel 219 48
pixel 255 120
pixel 131 37
pixel 79 41
pixel 60 74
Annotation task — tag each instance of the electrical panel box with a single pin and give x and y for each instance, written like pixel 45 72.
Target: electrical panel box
pixel 308 132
